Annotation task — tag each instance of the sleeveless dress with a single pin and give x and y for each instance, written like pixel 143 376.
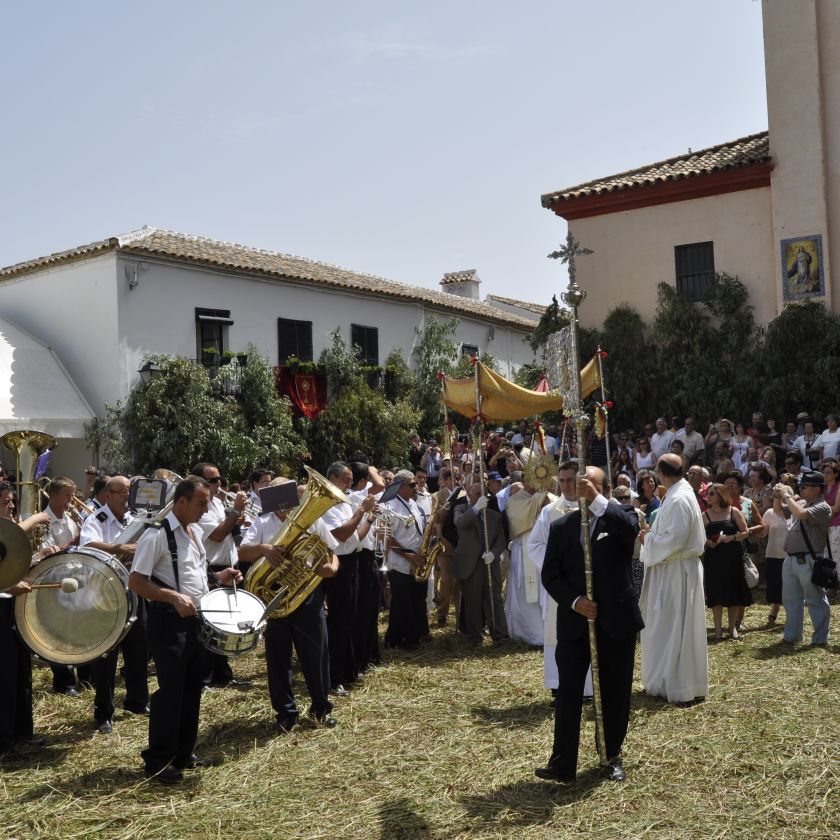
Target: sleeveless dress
pixel 739 452
pixel 723 568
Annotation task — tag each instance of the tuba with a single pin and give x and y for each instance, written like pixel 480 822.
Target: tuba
pixel 428 553
pixel 28 447
pixel 296 577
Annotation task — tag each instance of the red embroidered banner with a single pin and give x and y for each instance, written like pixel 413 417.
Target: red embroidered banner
pixel 307 391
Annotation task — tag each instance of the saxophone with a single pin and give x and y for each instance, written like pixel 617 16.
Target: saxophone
pixel 427 555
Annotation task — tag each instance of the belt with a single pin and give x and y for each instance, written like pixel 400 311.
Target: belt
pixel 801 556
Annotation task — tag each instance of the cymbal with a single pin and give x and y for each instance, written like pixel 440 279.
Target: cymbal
pixel 15 554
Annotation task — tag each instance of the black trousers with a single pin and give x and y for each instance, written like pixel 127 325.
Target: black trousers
pixel 408 610
pixel 341 593
pixel 366 624
pixel 475 603
pixel 135 653
pixel 182 663
pixel 306 629
pixel 65 676
pixel 615 661
pixel 15 681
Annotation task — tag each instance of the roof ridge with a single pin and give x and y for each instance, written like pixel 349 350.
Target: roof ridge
pixel 268 252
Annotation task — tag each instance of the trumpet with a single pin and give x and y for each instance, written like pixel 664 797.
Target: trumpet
pixel 384 520
pixel 252 509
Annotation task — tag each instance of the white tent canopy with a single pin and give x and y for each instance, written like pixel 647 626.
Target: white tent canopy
pixel 36 392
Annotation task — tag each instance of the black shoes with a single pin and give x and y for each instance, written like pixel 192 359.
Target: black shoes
pixel 104 727
pixel 195 762
pixel 168 775
pixel 69 692
pixel 551 775
pixel 326 720
pixel 286 725
pixel 613 770
pixel 136 710
pixel 339 691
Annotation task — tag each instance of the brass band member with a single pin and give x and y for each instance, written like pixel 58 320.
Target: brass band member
pixel 305 628
pixel 366 482
pixel 170 571
pixel 408 620
pixel 63 532
pixel 218 525
pixel 349 527
pixel 16 725
pixel 100 530
pixel 447 583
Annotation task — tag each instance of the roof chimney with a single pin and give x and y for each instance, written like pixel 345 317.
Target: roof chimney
pixel 462 283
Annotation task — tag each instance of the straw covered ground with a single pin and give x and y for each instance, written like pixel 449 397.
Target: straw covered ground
pixel 443 743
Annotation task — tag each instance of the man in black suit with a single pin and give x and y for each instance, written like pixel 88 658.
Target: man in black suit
pixel 614 529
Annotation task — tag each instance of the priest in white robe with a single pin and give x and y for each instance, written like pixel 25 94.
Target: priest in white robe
pixel 674 656
pixel 537 541
pixel 522 601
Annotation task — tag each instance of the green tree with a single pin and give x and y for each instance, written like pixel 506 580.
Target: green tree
pixel 629 367
pixel 434 352
pixel 685 367
pixel 528 376
pixel 553 319
pixel 801 354
pixel 400 381
pixel 341 365
pixel 362 420
pixel 179 418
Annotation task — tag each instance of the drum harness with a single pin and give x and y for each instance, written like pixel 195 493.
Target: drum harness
pixel 173 553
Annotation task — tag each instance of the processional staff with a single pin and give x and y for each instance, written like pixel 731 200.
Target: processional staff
pixel 573 297
pixel 487 556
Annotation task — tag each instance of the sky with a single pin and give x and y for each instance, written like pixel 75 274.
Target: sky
pixel 402 139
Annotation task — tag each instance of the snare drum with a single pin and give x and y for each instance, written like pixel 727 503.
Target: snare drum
pixel 72 628
pixel 228 621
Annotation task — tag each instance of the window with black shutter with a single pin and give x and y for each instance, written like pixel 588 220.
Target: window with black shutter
pixel 366 339
pixel 294 338
pixel 469 350
pixel 210 334
pixel 695 269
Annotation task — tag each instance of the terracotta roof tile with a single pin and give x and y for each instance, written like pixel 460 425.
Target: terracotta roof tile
pixel 536 308
pixel 240 258
pixel 737 153
pixel 460 277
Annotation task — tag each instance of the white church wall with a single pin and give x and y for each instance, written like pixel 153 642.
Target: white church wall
pixel 634 251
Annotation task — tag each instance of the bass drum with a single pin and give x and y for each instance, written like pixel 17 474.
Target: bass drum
pixel 72 628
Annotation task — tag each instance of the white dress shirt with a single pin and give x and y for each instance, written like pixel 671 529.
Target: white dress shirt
pixel 266 527
pixel 219 554
pixel 103 527
pixel 152 558
pixel 407 536
pixel 62 530
pixel 334 518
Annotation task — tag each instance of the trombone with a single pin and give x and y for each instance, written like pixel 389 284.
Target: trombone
pixel 252 509
pixel 78 510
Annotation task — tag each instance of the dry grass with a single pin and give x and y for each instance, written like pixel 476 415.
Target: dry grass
pixel 442 744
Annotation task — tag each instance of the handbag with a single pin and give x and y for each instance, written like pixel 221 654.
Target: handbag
pixel 824 573
pixel 750 571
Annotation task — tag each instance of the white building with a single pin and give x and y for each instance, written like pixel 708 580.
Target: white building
pixel 102 307
pixel 764 207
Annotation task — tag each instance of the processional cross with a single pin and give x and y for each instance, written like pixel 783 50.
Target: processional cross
pixel 573 297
